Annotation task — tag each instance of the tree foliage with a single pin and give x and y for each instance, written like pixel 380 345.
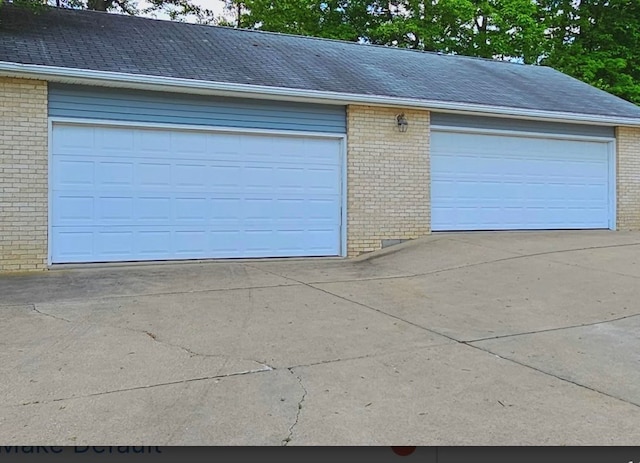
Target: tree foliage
pixel 174 9
pixel 486 28
pixel 598 42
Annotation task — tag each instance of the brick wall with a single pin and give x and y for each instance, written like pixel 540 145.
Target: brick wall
pixel 628 166
pixel 23 174
pixel 387 177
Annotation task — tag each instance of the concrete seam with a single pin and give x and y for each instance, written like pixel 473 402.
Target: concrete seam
pixel 603 322
pixel 150 386
pixel 372 356
pixel 310 285
pixel 455 238
pixel 561 378
pixel 592 268
pixel 170 293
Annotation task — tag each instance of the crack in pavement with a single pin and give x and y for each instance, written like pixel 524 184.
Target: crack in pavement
pixel 45 314
pixel 149 386
pixel 191 352
pixel 16 306
pixel 603 322
pixel 153 337
pixel 289 437
pixel 468 344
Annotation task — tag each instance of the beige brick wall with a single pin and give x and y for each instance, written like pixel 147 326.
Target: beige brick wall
pixel 628 175
pixel 23 174
pixel 387 177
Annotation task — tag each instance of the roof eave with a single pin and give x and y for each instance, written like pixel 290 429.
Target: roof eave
pixel 172 84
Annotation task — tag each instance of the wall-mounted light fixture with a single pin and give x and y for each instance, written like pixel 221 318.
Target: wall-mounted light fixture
pixel 403 124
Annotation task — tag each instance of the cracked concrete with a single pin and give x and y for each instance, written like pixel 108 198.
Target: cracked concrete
pixel 289 437
pixel 183 413
pixel 462 338
pixel 282 326
pixel 454 395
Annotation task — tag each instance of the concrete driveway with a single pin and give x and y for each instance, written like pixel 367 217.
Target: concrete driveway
pixel 457 339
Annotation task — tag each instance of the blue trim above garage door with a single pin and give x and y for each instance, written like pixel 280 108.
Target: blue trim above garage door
pixel 101 103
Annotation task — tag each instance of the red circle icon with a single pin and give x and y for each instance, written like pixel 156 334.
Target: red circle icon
pixel 403 451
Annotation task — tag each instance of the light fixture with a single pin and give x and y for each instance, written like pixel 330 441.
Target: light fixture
pixel 403 124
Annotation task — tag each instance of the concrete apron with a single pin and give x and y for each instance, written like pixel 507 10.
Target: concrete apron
pixel 471 339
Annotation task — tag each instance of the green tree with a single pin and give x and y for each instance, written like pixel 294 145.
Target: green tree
pixel 338 19
pixel 487 28
pixel 175 9
pixel 598 42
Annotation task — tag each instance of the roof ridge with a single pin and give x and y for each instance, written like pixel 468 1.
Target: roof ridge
pixel 285 34
pixel 375 45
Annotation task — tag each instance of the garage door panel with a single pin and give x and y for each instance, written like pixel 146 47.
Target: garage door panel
pixel 190 175
pixel 73 140
pixel 485 182
pixel 73 245
pixel 118 142
pixel 115 174
pixel 224 178
pixel 114 210
pixel 192 202
pixel 188 144
pixel 190 242
pixel 116 243
pixel 154 243
pixel 153 174
pixel 73 209
pixel 190 209
pixel 153 209
pixel 73 172
pixel 323 182
pixel 226 242
pixel 153 144
pixel 289 179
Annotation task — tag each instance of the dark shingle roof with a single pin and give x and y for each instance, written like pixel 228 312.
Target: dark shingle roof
pixel 109 42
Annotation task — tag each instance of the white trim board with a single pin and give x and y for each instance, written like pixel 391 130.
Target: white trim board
pixel 519 133
pixel 172 84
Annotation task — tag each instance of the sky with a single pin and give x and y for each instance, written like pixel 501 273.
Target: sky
pixel 217 6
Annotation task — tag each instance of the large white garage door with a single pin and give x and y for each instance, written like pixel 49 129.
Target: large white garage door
pixel 493 182
pixel 129 194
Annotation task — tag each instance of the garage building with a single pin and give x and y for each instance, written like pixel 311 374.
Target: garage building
pixel 203 142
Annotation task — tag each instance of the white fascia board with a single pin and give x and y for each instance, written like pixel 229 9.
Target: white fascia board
pixel 173 84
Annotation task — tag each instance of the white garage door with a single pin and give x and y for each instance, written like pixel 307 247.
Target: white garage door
pixel 129 194
pixel 493 182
